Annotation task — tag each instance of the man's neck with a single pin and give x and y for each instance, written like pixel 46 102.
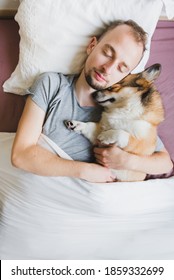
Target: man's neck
pixel 84 92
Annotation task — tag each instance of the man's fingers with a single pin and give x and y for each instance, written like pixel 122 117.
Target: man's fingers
pixel 101 162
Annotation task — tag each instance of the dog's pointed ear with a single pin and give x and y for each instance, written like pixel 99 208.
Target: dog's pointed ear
pixel 152 73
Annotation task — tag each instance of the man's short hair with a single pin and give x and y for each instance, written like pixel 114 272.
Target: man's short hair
pixel 137 31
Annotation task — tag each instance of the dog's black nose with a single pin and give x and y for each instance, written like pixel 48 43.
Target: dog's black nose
pixel 94 94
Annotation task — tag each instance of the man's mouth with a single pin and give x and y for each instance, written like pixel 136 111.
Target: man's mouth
pixel 99 77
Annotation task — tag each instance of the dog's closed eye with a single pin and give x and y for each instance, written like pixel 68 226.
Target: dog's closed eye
pixel 109 88
pixel 115 87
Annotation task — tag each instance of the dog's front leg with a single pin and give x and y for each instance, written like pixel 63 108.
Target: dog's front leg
pixel 88 129
pixel 119 137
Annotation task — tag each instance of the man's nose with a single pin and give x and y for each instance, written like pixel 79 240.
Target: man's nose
pixel 109 66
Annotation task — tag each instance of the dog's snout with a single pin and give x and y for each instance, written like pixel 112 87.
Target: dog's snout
pixel 97 94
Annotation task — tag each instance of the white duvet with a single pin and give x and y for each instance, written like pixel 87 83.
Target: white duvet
pixel 65 218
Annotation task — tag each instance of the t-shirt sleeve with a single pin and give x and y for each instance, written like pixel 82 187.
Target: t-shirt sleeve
pixel 44 89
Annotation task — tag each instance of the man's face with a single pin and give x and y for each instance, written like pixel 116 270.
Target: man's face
pixel 112 58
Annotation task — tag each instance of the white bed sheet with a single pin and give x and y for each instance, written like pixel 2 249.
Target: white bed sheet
pixel 65 218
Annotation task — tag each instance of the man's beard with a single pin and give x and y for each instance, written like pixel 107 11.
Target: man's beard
pixel 91 82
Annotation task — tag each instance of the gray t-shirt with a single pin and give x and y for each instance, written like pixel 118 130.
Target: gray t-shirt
pixel 55 94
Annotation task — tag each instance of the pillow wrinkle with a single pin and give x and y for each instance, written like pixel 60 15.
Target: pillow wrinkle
pixel 27 48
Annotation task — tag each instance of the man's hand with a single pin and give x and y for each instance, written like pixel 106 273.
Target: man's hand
pixel 111 156
pixel 114 157
pixel 96 173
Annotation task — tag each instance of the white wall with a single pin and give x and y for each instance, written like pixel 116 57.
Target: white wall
pixel 9 4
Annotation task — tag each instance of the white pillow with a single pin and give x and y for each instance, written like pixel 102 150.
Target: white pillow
pixel 169 8
pixel 54 34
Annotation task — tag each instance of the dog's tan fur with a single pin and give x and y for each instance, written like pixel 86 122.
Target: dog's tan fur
pixel 132 111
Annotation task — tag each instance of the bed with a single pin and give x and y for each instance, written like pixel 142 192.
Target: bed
pixel 65 218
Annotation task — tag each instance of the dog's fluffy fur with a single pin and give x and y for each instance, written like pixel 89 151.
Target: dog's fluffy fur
pixel 132 111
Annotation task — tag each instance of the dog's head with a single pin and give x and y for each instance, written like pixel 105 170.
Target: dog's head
pixel 133 90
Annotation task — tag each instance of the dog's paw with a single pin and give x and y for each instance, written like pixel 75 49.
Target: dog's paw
pixel 74 125
pixel 106 137
pixel 118 137
pixel 122 138
pixel 69 124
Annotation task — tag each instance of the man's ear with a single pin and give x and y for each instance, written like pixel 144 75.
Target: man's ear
pixel 92 44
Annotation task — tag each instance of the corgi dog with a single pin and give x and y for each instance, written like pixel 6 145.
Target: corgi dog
pixel 132 111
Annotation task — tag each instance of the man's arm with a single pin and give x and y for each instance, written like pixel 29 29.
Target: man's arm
pixel 29 156
pixel 116 158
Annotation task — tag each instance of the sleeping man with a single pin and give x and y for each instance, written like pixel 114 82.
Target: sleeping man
pixel 55 97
